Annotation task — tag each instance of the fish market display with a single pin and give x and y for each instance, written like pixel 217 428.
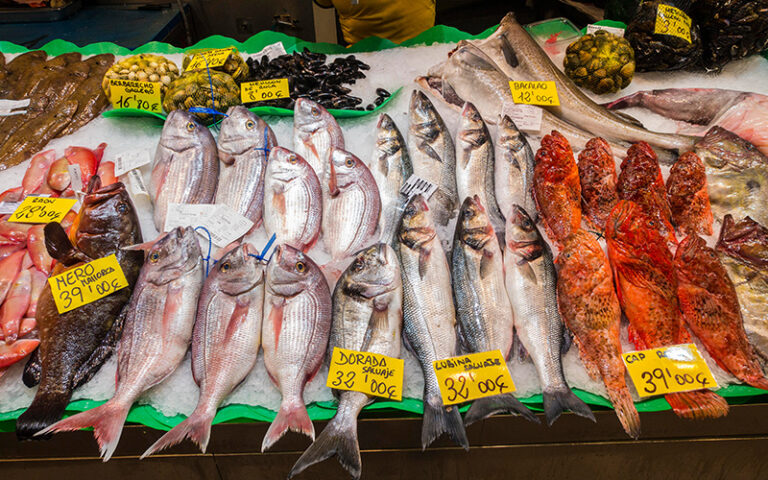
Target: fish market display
pixel 483 311
pixel 531 283
pixel 297 322
pixel 74 344
pixel 688 197
pixel 646 284
pixel 710 308
pixel 158 328
pixel 556 187
pixel 597 174
pixel 590 308
pixel 225 340
pixel 429 319
pixel 513 169
pixel 293 202
pixel 244 143
pixel 315 134
pixel 367 317
pixel 601 62
pixel 185 168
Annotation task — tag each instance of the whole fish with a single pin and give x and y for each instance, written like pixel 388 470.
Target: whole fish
pixel 10 267
pixel 597 174
pixel 710 308
pixel 297 322
pixel 225 341
pixel 484 313
pixel 591 311
pixel 513 169
pixel 315 134
pixel 644 272
pixel 475 169
pixel 15 306
pixel 367 317
pixel 156 336
pixel 352 207
pixel 74 345
pixel 391 168
pixel 531 284
pixel 244 143
pixel 688 197
pixel 185 168
pixel 429 319
pixel 293 200
pixel 556 187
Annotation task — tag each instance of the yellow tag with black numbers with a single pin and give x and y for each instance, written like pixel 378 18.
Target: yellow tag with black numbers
pixel 42 210
pixel 215 57
pixel 672 21
pixel 472 376
pixel 366 372
pixel 134 94
pixel 263 90
pixel 535 93
pixel 679 368
pixel 87 283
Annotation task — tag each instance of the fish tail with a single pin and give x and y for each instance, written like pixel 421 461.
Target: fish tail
pixel 555 401
pixel 196 427
pixel 338 438
pixel 632 100
pixel 758 382
pixel 46 409
pixel 439 419
pixel 698 404
pixel 626 411
pixel 292 416
pixel 487 406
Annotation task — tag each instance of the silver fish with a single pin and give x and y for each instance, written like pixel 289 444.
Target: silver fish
pixel 225 341
pixel 391 167
pixel 185 168
pixel 429 318
pixel 293 200
pixel 156 336
pixel 367 317
pixel 315 134
pixel 244 143
pixel 483 310
pixel 532 287
pixel 297 322
pixel 513 169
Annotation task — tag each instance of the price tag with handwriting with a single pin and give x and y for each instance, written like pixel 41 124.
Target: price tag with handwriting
pixel 673 21
pixel 472 376
pixel 535 93
pixel 134 94
pixel 211 58
pixel 679 368
pixel 263 90
pixel 366 372
pixel 42 210
pixel 87 283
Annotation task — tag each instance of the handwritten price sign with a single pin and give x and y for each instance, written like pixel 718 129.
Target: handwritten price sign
pixel 472 376
pixel 134 94
pixel 42 210
pixel 535 93
pixel 87 283
pixel 366 372
pixel 679 368
pixel 264 90
pixel 211 58
pixel 673 21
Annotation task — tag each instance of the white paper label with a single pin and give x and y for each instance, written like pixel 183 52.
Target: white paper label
pixel 75 177
pixel 127 161
pixel 7 208
pixel 137 183
pixel 592 28
pixel 526 117
pixel 13 107
pixel 418 186
pixel 271 51
pixel 224 224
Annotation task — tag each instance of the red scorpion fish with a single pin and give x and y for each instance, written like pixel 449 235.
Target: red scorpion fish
pixel 688 196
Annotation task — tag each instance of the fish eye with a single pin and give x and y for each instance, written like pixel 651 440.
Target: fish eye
pixel 350 163
pixel 357 266
pixel 122 208
pixel 250 124
pixel 154 257
pixel 315 111
pixel 410 210
pixel 225 266
pixel 527 224
pixel 292 159
pixel 300 267
pixel 190 126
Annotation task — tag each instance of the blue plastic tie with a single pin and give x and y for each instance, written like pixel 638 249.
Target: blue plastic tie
pixel 264 148
pixel 207 259
pixel 210 111
pixel 267 247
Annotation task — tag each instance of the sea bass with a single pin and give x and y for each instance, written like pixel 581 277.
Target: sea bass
pixel 244 143
pixel 513 169
pixel 185 168
pixel 531 284
pixel 429 319
pixel 367 317
pixel 156 336
pixel 688 196
pixel 225 340
pixel 297 322
pixel 597 174
pixel 483 310
pixel 315 134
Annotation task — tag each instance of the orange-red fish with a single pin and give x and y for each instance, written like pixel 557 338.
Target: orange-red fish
pixel 688 197
pixel 597 173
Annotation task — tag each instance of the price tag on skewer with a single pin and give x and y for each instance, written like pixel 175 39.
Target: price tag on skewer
pixel 679 368
pixel 468 377
pixel 42 209
pixel 87 283
pixel 366 372
pixel 263 90
pixel 134 94
pixel 535 93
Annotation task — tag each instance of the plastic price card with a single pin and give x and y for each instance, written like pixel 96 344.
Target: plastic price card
pixel 209 58
pixel 42 210
pixel 366 372
pixel 144 96
pixel 679 368
pixel 263 90
pixel 673 21
pixel 87 283
pixel 472 376
pixel 535 93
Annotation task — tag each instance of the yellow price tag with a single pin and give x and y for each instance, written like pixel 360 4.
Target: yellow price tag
pixel 87 283
pixel 42 210
pixel 673 21
pixel 366 372
pixel 679 368
pixel 134 94
pixel 535 93
pixel 262 90
pixel 211 58
pixel 472 376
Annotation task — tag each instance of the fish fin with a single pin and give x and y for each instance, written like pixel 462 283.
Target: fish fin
pixel 561 399
pixel 629 101
pixel 567 340
pixel 276 318
pixel 759 382
pixel 377 323
pixel 423 261
pixel 278 203
pixel 430 152
pixel 486 264
pixel 439 419
pixel 89 368
pixel 629 119
pixel 626 411
pixel 462 343
pixel 338 438
pixel 237 318
pixel 197 427
pixel 487 406
pixel 519 348
pixel 60 247
pixel 526 270
pixel 634 338
pixel 32 370
pixel 292 416
pixel 697 404
pixel 46 409
pixel 509 52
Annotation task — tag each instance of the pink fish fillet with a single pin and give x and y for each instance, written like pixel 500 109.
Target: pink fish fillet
pixel 37 171
pixel 15 306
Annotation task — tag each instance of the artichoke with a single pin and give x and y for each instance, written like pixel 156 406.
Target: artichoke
pixel 602 63
pixel 142 68
pixel 194 89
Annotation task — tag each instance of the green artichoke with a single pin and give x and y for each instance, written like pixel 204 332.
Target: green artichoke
pixel 602 63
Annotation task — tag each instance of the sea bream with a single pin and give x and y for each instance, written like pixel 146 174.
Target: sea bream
pixel 315 134
pixel 513 169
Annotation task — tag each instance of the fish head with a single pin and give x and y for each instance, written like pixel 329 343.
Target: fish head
pixel 745 240
pixel 522 237
pixel 310 116
pixel 238 271
pixel 632 233
pixel 580 248
pixel 388 138
pixel 472 130
pixel 425 121
pixel 346 169
pixel 173 255
pixel 290 271
pixel 468 56
pixel 439 87
pixel 374 272
pixel 474 228
pixel 181 131
pixel 510 136
pixel 554 160
pixel 416 227
pixel 286 165
pixel 723 150
pixel 242 130
pixel 106 212
pixel 694 260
